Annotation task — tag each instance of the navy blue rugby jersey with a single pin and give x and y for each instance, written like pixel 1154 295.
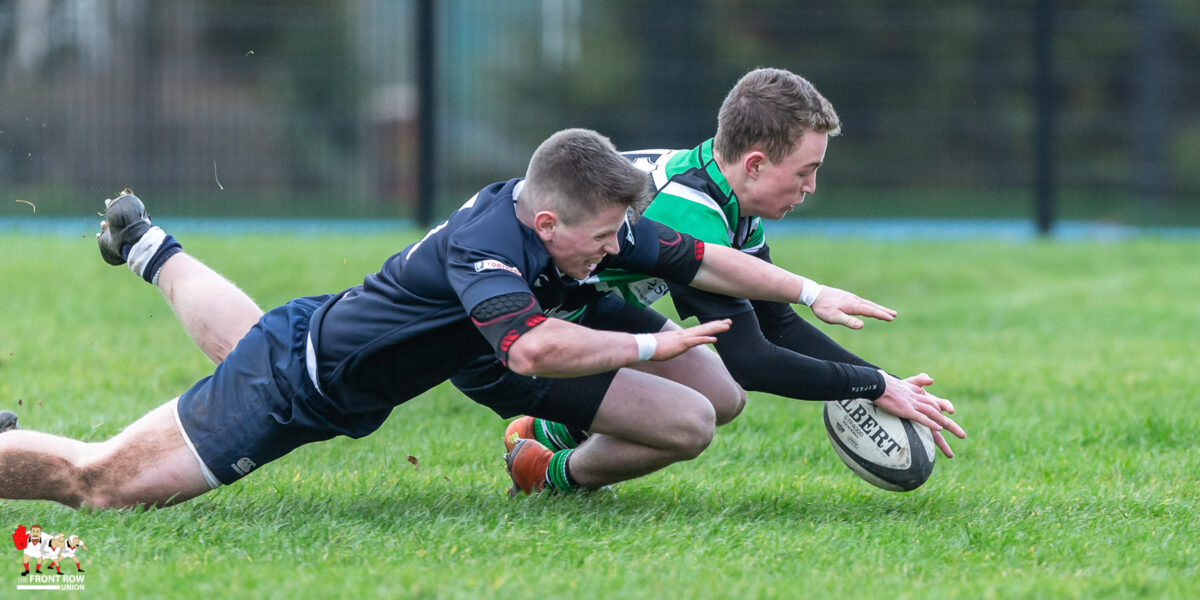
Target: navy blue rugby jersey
pixel 407 327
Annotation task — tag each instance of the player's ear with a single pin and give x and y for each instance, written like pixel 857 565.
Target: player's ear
pixel 752 162
pixel 544 223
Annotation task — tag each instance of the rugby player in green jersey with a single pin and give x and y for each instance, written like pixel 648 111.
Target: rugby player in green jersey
pixel 772 132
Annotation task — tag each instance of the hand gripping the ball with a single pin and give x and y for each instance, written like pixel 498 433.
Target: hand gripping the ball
pixel 909 399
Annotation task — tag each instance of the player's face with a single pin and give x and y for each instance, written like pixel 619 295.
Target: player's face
pixel 774 189
pixel 577 248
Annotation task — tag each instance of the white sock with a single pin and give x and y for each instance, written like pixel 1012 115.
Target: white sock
pixel 144 250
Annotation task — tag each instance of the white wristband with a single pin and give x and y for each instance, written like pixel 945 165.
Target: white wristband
pixel 810 291
pixel 647 344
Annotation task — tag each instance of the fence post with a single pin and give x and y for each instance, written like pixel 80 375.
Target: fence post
pixel 427 163
pixel 1151 104
pixel 1044 155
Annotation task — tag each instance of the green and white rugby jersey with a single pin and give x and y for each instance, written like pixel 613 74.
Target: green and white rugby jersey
pixel 692 196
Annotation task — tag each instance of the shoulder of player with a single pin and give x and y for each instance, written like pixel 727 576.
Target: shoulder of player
pixel 493 227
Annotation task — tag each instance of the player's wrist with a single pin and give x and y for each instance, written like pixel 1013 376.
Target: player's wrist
pixel 646 345
pixel 809 292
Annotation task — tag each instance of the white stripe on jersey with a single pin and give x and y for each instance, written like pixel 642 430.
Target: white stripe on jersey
pixel 653 162
pixel 693 195
pixel 753 249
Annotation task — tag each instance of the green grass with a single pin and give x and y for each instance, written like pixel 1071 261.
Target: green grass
pixel 1071 365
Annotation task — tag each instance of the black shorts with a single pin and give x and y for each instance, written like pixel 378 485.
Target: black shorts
pixel 260 403
pixel 572 402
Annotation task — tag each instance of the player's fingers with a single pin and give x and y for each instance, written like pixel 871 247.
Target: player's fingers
pixel 918 412
pixel 942 420
pixel 920 379
pixel 954 428
pixel 852 322
pixel 875 311
pixel 940 441
pixel 919 417
pixel 878 306
pixel 946 405
pixel 941 404
pixel 696 340
pixel 711 327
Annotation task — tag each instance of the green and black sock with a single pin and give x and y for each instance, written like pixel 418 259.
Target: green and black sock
pixel 558 472
pixel 557 436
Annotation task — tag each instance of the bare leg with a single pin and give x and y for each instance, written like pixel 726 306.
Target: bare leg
pixel 148 463
pixel 644 424
pixel 702 370
pixel 213 311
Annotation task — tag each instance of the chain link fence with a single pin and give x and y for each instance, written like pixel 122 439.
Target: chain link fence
pixel 309 109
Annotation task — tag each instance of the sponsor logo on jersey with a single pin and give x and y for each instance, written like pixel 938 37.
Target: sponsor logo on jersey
pixel 492 265
pixel 646 291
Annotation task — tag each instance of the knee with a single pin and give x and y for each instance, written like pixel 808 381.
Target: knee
pixel 694 431
pixel 731 404
pixel 96 484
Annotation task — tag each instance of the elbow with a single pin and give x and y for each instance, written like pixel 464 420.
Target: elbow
pixel 528 357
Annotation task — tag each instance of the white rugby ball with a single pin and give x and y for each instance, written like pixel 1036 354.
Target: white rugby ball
pixel 885 450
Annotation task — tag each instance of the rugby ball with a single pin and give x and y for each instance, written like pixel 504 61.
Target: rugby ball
pixel 885 450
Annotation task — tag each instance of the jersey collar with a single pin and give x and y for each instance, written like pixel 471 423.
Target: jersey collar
pixel 709 161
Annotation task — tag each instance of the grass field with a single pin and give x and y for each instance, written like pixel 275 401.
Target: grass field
pixel 1072 367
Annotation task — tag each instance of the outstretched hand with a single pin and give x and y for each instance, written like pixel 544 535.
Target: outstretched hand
pixel 676 342
pixel 907 398
pixel 836 307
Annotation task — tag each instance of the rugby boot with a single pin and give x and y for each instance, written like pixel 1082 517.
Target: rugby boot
pixel 8 420
pixel 554 436
pixel 526 464
pixel 125 222
pixel 520 429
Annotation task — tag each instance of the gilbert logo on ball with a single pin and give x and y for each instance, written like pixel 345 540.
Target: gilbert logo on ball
pixel 885 450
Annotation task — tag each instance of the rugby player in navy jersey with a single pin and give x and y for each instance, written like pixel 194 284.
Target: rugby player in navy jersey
pixel 481 283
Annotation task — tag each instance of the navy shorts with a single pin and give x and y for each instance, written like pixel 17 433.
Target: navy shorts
pixel 260 403
pixel 572 402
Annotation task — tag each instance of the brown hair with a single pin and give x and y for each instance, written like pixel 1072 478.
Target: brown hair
pixel 770 110
pixel 575 172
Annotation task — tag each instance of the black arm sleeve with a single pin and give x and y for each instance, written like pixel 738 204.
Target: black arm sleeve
pixel 783 327
pixel 502 319
pixel 760 366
